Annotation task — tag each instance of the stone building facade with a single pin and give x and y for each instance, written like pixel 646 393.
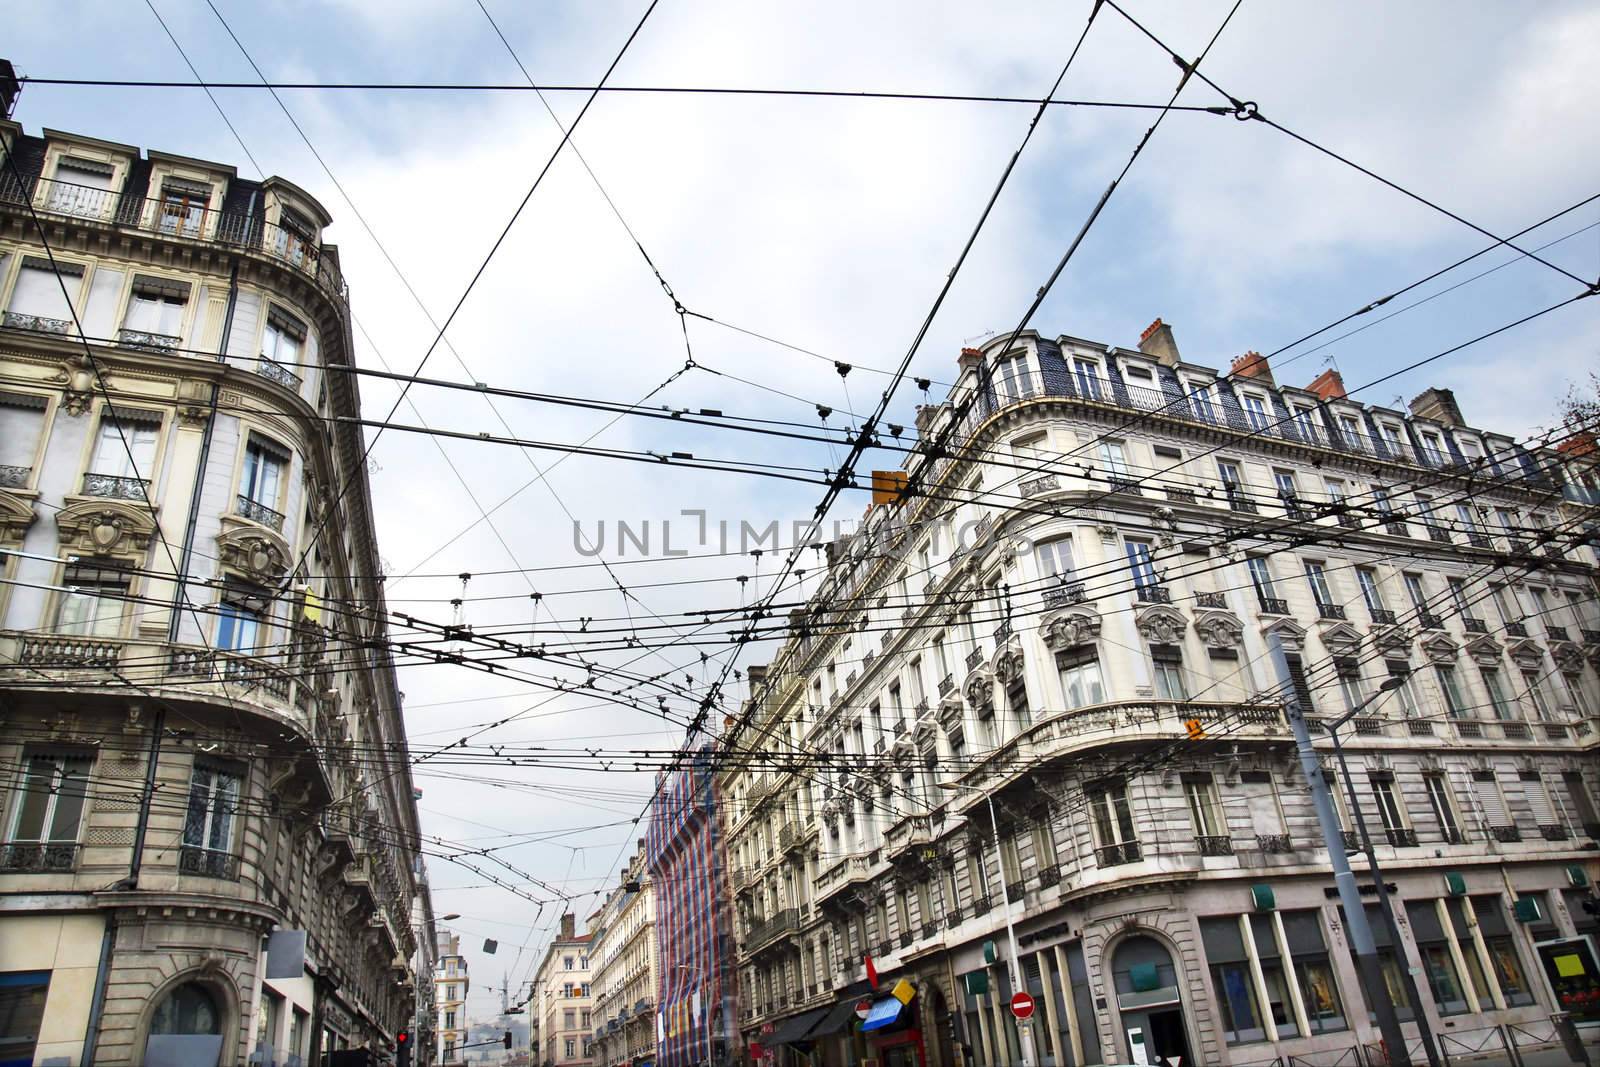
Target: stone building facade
pixel 201 737
pixel 1070 620
pixel 624 960
pixel 563 998
pixel 451 983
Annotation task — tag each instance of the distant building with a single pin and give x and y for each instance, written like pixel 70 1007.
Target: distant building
pixel 563 999
pixel 450 986
pixel 697 1007
pixel 624 962
pixel 185 523
pixel 1071 620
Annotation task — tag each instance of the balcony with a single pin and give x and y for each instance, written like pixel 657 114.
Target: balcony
pixel 115 487
pixel 1210 600
pixel 1275 844
pixel 1429 621
pixel 1397 528
pixel 1213 845
pixel 1454 836
pixel 1065 595
pixel 1351 840
pixel 1117 855
pixel 274 371
pixel 1272 605
pixel 1116 483
pixel 146 341
pixel 1554 832
pixel 952 918
pixel 1292 506
pixel 974 658
pixel 1367 726
pixel 1049 876
pixel 38 857
pixel 1505 834
pixel 36 323
pixel 258 512
pixel 1419 727
pixel 1555 633
pixel 1016 889
pixel 1592 830
pixel 1516 629
pixel 1330 611
pixel 981 905
pixel 1401 836
pixel 1179 494
pixel 1478 539
pixel 12 477
pixel 1474 625
pixel 1555 731
pixel 904 940
pixel 1439 534
pixel 232 230
pixel 1035 486
pixel 946 684
pixel 789 837
pixel 1383 617
pixel 1239 501
pixel 1469 730
pixel 1590 637
pixel 208 863
pixel 1516 731
pixel 1153 594
pixel 42 651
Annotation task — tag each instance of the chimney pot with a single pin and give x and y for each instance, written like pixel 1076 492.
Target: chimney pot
pixel 970 357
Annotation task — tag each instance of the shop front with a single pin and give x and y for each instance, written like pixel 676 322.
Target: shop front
pixel 891 1032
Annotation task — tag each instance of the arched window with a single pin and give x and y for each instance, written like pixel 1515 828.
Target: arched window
pixel 188 1009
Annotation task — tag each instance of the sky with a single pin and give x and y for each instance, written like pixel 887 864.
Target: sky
pixel 825 225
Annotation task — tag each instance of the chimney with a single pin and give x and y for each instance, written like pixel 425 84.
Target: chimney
pixel 970 357
pixel 10 88
pixel 569 926
pixel 1439 405
pixel 1253 365
pixel 757 673
pixel 1328 385
pixel 1157 341
pixel 1578 446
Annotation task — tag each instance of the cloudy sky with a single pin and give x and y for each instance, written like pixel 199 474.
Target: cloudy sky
pixel 829 225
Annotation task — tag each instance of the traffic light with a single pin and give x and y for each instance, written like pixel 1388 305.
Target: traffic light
pixel 402 1048
pixel 508 1039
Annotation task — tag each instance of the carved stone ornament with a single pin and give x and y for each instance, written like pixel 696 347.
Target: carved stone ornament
pixel 1161 624
pixel 1008 664
pixel 1070 628
pixel 980 689
pixel 1219 629
pixel 1439 648
pixel 1526 653
pixel 1341 639
pixel 1390 639
pixel 104 528
pixel 1485 649
pixel 77 375
pixel 1568 656
pixel 16 515
pixel 1291 633
pixel 255 553
pixel 950 709
pixel 194 403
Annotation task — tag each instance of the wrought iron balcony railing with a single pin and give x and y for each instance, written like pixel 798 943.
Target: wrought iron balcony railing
pixel 208 863
pixel 1272 605
pixel 1350 839
pixel 38 857
pixel 1474 625
pixel 1554 832
pixel 1064 595
pixel 258 512
pixel 1275 844
pixel 1154 594
pixel 1429 621
pixel 1035 486
pixel 1210 600
pixel 1401 836
pixel 37 323
pixel 114 486
pixel 1397 528
pixel 1117 855
pixel 1555 633
pixel 1215 845
pixel 1330 611
pixel 1179 494
pixel 147 341
pixel 1383 617
pixel 1516 629
pixel 1505 834
pixel 1453 836
pixel 274 371
pixel 1049 876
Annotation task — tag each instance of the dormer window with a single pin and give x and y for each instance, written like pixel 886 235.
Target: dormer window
pixel 1391 437
pixel 1305 423
pixel 295 235
pixel 1016 379
pixel 81 187
pixel 1255 410
pixel 1137 373
pixel 183 206
pixel 1432 448
pixel 1200 399
pixel 1087 374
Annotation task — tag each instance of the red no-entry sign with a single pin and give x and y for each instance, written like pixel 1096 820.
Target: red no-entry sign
pixel 863 1008
pixel 1022 1006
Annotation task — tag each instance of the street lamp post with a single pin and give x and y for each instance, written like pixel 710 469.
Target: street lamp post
pixel 1384 907
pixel 1024 1033
pixel 705 1004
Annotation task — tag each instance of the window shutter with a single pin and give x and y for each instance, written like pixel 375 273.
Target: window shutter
pixel 1544 813
pixel 1488 794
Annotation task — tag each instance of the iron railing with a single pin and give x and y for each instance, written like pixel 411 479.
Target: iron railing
pixel 1117 855
pixel 1505 834
pixel 1474 625
pixel 1064 595
pixel 148 341
pixel 1210 600
pixel 114 486
pixel 1153 594
pixel 1383 617
pixel 1214 845
pixel 274 371
pixel 208 863
pixel 17 320
pixel 256 511
pixel 38 857
pixel 1401 836
pixel 1330 611
pixel 1275 844
pixel 1272 605
pixel 1516 629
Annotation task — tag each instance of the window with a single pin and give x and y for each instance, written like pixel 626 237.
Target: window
pixel 125 448
pixel 1055 558
pixel 1261 578
pixel 1233 485
pixel 1080 677
pixel 1136 372
pixel 1578 797
pixel 1577 694
pixel 1451 690
pixel 1404 698
pixel 1116 841
pixel 39 295
pixel 1391 437
pixel 1426 513
pixel 1443 806
pixel 1334 487
pixel 155 307
pixel 1288 489
pixel 1535 687
pixel 1168 663
pixel 1348 671
pixel 1087 373
pixel 1017 698
pixel 183 206
pixel 1200 400
pixel 1432 448
pixel 48 807
pixel 1205 810
pixel 294 235
pixel 1305 423
pixel 569 1019
pixel 1255 410
pixel 1317 578
pixel 240 615
pixel 1391 810
pixel 1433 945
pixel 1367 579
pixel 1497 693
pixel 1231 978
pixel 1144 572
pixel 81 187
pixel 1486 790
pixel 1318 991
pixel 450 1019
pixel 571 1047
pixel 213 797
pixel 1351 427
pixel 92 600
pixel 1414 590
pixel 1394 985
pixel 450 1050
pixel 1503 960
pixel 1458 595
pixel 284 338
pixel 1114 461
pixel 1016 380
pixel 21 423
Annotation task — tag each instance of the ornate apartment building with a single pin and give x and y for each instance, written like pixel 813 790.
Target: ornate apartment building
pixel 451 984
pixel 624 961
pixel 1071 621
pixel 564 998
pixel 209 826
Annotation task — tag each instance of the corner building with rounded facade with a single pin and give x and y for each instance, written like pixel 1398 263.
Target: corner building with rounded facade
pixel 1070 618
pixel 166 410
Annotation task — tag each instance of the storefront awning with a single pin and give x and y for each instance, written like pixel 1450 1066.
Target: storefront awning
pixel 885 1012
pixel 795 1028
pixel 838 1017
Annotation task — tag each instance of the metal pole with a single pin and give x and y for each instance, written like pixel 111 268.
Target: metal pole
pixel 1024 1033
pixel 1384 907
pixel 1333 837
